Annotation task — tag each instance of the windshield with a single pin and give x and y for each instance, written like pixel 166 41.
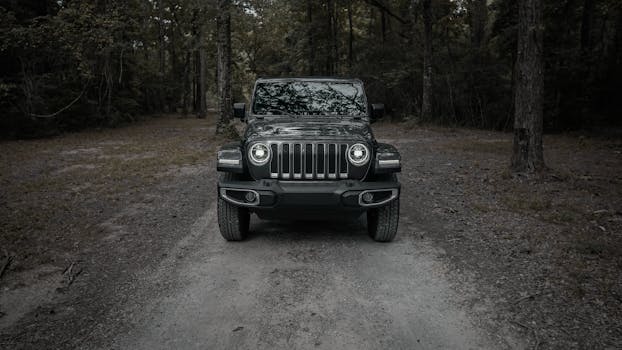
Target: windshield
pixel 309 98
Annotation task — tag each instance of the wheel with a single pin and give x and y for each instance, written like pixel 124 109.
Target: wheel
pixel 382 221
pixel 232 220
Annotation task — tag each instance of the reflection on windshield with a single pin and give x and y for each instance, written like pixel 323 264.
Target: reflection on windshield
pixel 309 98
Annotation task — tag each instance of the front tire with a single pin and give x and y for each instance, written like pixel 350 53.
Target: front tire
pixel 382 222
pixel 233 221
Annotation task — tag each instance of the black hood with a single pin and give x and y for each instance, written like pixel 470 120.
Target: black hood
pixel 307 128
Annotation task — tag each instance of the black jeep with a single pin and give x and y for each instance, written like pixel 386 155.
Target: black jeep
pixel 309 153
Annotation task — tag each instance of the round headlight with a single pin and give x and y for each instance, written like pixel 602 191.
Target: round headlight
pixel 259 154
pixel 358 154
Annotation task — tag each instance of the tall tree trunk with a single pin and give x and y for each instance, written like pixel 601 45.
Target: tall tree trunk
pixel 479 17
pixel 426 100
pixel 310 30
pixel 195 62
pixel 187 85
pixel 202 79
pixel 383 25
pixel 224 67
pixel 350 37
pixel 478 11
pixel 335 38
pixel 331 58
pixel 527 154
pixel 161 58
pixel 586 26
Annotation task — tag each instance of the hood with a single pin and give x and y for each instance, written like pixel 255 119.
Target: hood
pixel 304 127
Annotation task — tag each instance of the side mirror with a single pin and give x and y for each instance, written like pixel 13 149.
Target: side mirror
pixel 239 111
pixel 377 111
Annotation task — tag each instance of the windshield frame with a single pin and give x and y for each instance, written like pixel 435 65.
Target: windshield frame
pixel 252 114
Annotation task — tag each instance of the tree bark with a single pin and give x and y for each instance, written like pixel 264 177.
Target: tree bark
pixel 195 62
pixel 187 90
pixel 426 100
pixel 527 154
pixel 383 26
pixel 331 58
pixel 350 37
pixel 224 67
pixel 202 79
pixel 161 58
pixel 479 17
pixel 586 26
pixel 310 37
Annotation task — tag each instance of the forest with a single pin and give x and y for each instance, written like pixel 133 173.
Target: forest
pixel 70 64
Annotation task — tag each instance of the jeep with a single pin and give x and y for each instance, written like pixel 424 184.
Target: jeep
pixel 308 152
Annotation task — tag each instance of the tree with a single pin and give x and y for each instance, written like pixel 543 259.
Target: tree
pixel 527 154
pixel 426 99
pixel 310 34
pixel 224 66
pixel 202 84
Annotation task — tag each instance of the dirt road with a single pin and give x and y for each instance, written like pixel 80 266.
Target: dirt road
pixel 115 245
pixel 303 285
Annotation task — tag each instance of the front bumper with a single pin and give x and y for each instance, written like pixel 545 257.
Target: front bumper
pixel 273 194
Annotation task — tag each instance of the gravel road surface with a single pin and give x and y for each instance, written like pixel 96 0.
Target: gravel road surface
pixel 300 285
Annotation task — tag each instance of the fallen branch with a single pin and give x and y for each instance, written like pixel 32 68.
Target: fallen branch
pixel 71 275
pixel 68 268
pixel 6 264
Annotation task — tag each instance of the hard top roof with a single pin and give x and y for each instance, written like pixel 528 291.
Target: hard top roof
pixel 316 78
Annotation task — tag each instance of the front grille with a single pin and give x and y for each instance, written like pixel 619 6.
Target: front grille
pixel 311 161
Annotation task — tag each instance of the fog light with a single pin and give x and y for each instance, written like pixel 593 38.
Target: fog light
pixel 368 197
pixel 250 197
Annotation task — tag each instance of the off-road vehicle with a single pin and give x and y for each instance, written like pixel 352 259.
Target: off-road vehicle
pixel 308 152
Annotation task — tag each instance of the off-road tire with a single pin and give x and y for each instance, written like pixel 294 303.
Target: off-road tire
pixel 233 221
pixel 382 222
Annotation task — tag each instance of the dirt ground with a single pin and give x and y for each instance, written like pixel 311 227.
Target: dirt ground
pixel 113 244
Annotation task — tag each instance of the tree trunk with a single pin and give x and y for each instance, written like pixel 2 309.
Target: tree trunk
pixel 478 12
pixel 187 84
pixel 527 154
pixel 330 58
pixel 195 62
pixel 479 17
pixel 310 37
pixel 426 100
pixel 224 67
pixel 350 37
pixel 383 26
pixel 202 80
pixel 161 59
pixel 586 26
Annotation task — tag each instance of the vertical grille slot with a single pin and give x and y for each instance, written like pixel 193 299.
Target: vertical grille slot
pixel 332 160
pixel 274 162
pixel 320 161
pixel 297 161
pixel 285 161
pixel 309 157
